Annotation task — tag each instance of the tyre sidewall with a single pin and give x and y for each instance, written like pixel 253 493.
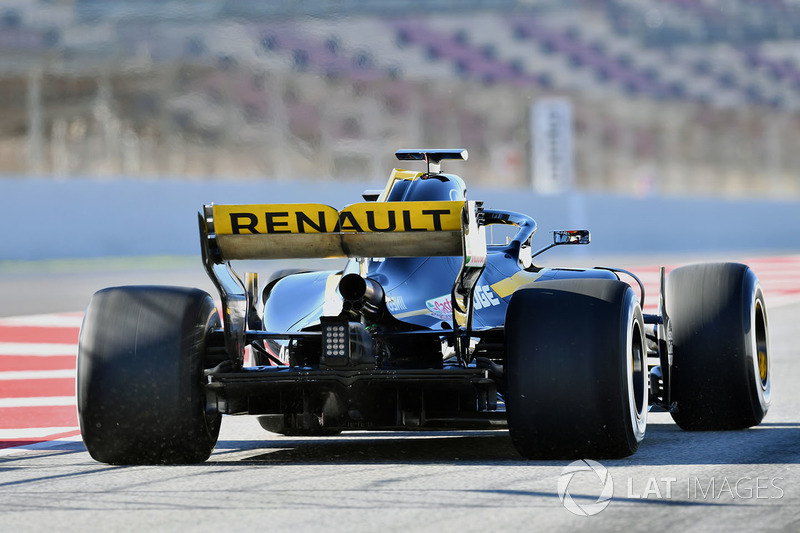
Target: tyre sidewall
pixel 569 370
pixel 718 318
pixel 140 367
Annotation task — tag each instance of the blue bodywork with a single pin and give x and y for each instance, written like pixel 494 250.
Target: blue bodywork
pixel 417 290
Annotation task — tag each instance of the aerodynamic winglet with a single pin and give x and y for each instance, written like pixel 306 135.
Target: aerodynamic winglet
pixel 432 157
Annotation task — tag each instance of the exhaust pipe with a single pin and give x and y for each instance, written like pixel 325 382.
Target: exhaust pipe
pixel 362 295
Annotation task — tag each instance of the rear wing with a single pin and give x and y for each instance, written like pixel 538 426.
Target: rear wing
pixel 362 230
pixel 372 229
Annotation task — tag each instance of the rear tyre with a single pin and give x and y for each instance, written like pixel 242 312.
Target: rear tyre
pixel 721 369
pixel 576 370
pixel 141 356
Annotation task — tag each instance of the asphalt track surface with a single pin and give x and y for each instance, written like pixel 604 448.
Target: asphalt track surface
pixel 468 481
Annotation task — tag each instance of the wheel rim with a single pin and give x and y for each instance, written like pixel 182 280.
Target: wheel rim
pixel 761 347
pixel 761 360
pixel 636 373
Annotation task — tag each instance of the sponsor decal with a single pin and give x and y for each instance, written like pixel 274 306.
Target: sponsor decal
pixel 442 307
pixel 274 218
pixel 395 304
pixel 319 218
pixel 484 297
pixel 402 216
pixel 474 242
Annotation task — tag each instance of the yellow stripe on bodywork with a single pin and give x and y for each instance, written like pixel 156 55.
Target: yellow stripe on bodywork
pixel 398 174
pixel 407 314
pixel 504 287
pixel 507 286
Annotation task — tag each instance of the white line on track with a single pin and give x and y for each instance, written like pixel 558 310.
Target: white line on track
pixel 67 320
pixel 42 349
pixel 33 433
pixel 45 401
pixel 14 375
pixel 39 445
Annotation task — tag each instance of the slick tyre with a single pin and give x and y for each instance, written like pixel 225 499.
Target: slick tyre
pixel 140 389
pixel 721 367
pixel 576 370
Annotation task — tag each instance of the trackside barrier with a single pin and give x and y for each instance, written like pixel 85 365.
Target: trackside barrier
pixel 80 218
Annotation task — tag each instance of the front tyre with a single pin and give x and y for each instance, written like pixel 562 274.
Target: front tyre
pixel 721 368
pixel 576 370
pixel 141 357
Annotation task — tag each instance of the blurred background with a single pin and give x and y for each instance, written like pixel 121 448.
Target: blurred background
pixel 639 98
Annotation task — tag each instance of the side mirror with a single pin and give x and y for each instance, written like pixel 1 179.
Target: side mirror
pixel 569 236
pixel 572 236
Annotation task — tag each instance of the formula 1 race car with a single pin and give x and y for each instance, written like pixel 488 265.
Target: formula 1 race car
pixel 426 327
